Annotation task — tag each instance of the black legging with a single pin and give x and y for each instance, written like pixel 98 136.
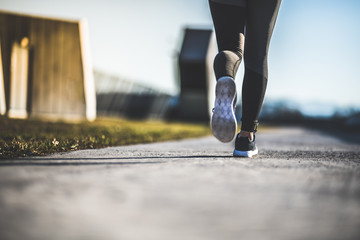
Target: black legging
pixel 251 26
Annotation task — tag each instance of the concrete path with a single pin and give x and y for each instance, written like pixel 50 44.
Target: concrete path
pixel 304 185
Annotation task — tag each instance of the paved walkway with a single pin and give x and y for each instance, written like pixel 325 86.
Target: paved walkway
pixel 303 185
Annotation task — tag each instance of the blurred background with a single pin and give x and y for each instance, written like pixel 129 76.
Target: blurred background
pixel 136 50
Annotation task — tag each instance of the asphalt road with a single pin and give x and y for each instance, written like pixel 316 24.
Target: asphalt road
pixel 303 185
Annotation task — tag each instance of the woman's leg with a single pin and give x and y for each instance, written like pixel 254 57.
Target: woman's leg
pixel 260 22
pixel 229 23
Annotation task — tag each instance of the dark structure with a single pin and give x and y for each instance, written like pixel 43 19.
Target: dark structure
pixel 46 68
pixel 196 75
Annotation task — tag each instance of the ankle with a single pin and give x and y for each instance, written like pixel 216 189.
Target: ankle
pixel 247 134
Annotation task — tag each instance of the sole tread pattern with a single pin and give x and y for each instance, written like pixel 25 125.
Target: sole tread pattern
pixel 223 121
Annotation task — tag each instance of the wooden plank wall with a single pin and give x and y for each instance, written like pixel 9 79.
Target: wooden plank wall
pixel 56 70
pixel 2 89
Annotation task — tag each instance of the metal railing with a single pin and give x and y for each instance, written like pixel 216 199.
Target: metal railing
pixel 121 97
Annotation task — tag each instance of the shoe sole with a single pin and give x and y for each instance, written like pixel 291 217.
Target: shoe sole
pixel 248 154
pixel 223 121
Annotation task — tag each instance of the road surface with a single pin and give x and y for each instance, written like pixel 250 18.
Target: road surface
pixel 303 185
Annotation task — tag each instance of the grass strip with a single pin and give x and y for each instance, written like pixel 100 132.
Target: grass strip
pixel 20 138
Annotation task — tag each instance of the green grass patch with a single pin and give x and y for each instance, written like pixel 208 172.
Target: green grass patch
pixel 20 138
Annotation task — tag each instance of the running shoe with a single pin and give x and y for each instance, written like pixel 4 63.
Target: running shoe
pixel 244 147
pixel 223 121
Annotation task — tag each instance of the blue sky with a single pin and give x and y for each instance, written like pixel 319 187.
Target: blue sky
pixel 313 58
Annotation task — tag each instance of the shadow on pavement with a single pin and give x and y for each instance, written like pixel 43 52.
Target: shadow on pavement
pixel 95 161
pixel 265 155
pixel 71 162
